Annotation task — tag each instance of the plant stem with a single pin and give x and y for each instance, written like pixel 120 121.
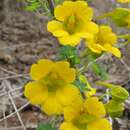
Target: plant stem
pixel 51 5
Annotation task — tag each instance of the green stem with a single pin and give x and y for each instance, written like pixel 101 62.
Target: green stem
pixel 104 15
pixel 104 84
pixel 125 36
pixel 51 5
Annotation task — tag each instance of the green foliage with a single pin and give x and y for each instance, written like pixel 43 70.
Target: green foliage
pixel 82 83
pixel 99 71
pixel 70 54
pixel 114 108
pixel 45 126
pixel 36 5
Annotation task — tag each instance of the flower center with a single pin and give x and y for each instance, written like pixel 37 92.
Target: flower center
pixel 53 81
pixel 99 39
pixel 83 119
pixel 71 24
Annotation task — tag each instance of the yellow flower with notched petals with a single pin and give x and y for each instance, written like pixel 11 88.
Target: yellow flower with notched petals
pixel 124 1
pixel 73 22
pixel 104 40
pixel 52 88
pixel 88 116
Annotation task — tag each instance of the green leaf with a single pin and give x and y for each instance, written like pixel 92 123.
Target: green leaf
pixel 70 54
pixel 45 126
pixel 114 108
pixel 80 85
pixel 99 71
pixel 119 93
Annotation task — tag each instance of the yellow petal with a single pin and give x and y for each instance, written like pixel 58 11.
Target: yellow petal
pixel 51 105
pixel 104 29
pixel 54 25
pixel 94 47
pixel 65 72
pixel 94 107
pixel 90 27
pixel 68 126
pixel 70 114
pixel 60 33
pixel 67 94
pixel 101 124
pixel 85 35
pixel 62 12
pixel 72 40
pixel 41 69
pixel 36 92
pixel 82 11
pixel 111 38
pixel 115 51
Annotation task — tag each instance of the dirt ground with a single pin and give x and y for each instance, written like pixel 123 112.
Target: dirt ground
pixel 23 40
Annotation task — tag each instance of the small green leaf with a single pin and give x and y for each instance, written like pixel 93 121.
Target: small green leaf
pixel 114 108
pixel 99 71
pixel 70 54
pixel 80 85
pixel 45 126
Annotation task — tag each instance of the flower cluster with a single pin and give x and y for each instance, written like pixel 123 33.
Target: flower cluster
pixel 89 115
pixel 74 23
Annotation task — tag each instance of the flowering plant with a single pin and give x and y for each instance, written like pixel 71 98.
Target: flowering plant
pixel 60 87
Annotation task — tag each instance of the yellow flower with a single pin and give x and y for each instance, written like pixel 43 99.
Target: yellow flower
pixel 104 40
pixel 88 116
pixel 51 88
pixel 73 22
pixel 124 1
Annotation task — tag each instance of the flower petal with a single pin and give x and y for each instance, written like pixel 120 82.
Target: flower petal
pixel 54 25
pixel 115 51
pixel 90 27
pixel 60 33
pixel 94 47
pixel 64 71
pixel 67 94
pixel 94 107
pixel 41 69
pixel 36 92
pixel 51 105
pixel 101 124
pixel 73 110
pixel 68 126
pixel 61 12
pixel 82 11
pixel 72 40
